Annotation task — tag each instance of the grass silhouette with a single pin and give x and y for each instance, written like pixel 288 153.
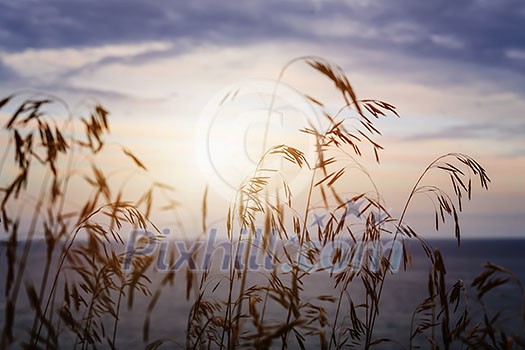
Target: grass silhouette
pixel 84 285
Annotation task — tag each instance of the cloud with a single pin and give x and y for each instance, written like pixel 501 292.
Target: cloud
pixel 83 92
pixel 516 54
pixel 7 73
pixel 141 48
pixel 474 130
pixel 473 32
pixel 448 42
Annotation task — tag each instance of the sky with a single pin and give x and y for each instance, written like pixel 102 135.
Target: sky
pixel 454 70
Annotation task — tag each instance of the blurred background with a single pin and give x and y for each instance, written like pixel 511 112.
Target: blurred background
pixel 455 71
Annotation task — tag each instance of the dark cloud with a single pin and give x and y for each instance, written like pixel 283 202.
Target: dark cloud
pixel 64 23
pixel 482 32
pixel 133 59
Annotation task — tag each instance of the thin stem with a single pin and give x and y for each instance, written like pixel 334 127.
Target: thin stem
pixel 373 314
pixel 25 255
pixel 295 273
pixel 61 264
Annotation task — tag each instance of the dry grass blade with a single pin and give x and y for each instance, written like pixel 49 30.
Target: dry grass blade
pixel 136 160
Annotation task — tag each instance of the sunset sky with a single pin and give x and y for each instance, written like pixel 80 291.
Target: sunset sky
pixel 454 70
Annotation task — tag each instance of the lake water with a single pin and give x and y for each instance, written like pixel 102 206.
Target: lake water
pixel 402 293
